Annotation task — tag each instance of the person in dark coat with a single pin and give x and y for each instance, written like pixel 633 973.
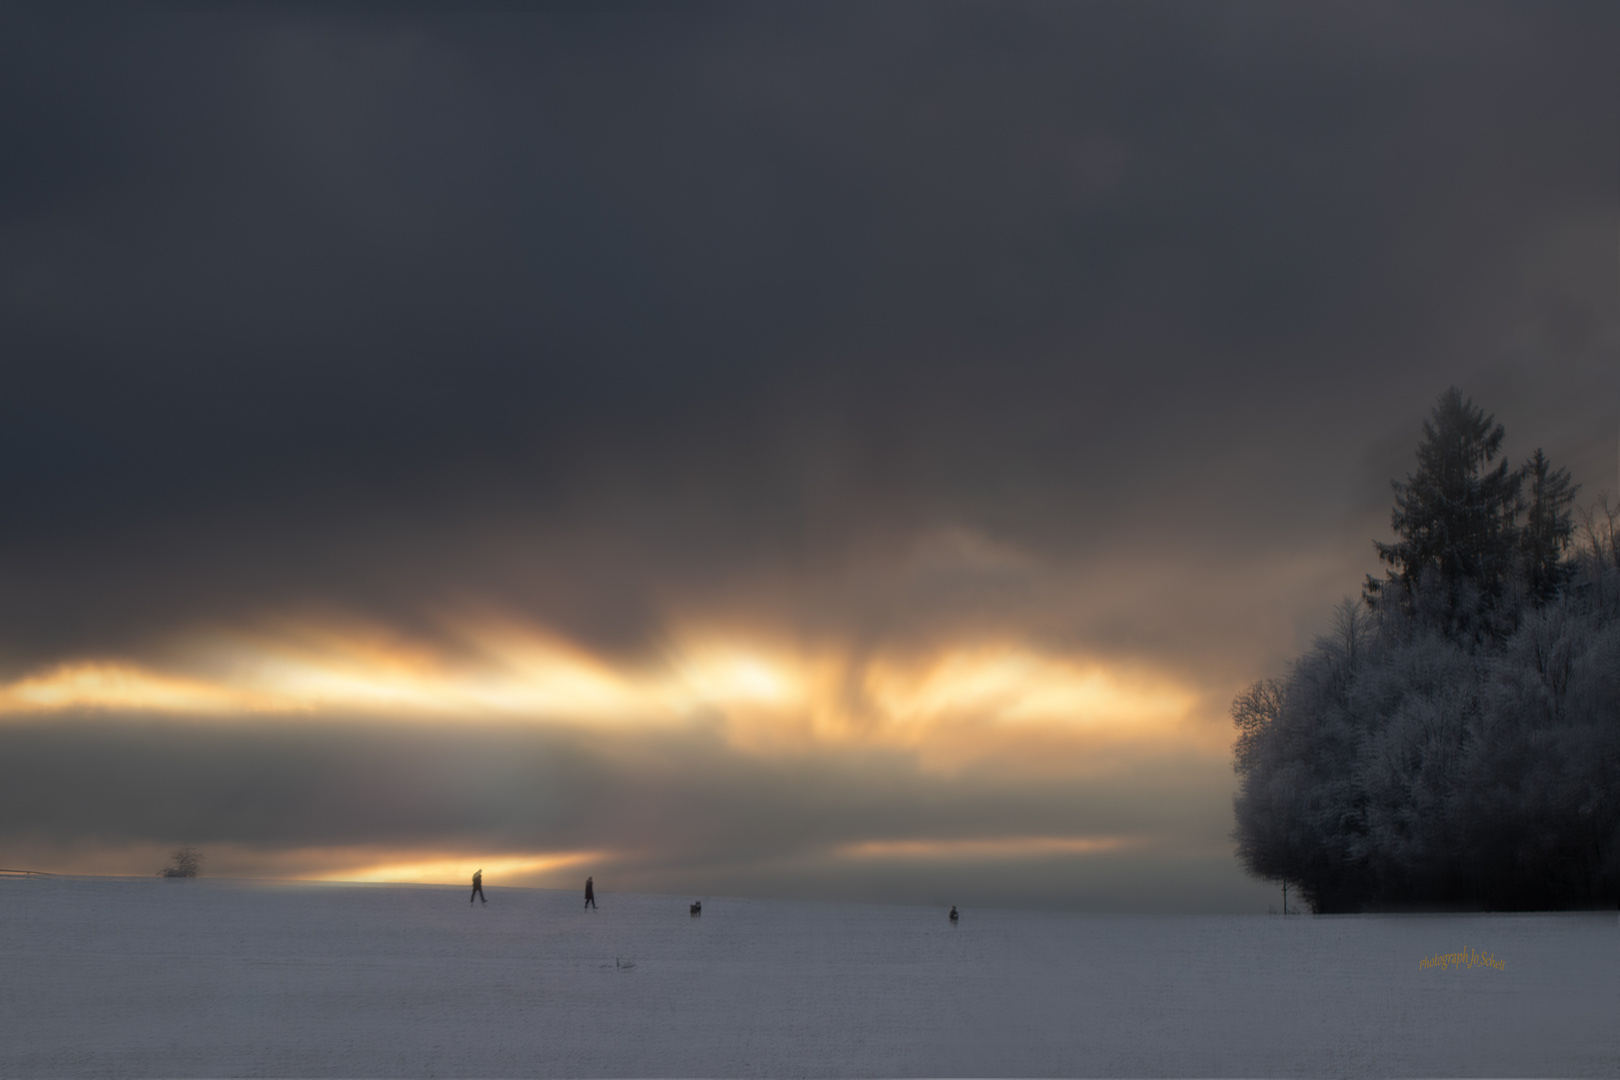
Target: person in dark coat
pixel 954 915
pixel 478 887
pixel 590 894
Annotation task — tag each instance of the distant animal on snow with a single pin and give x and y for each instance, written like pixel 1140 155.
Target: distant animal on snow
pixel 697 907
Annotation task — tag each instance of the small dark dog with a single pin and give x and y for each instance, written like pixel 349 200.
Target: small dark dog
pixel 697 907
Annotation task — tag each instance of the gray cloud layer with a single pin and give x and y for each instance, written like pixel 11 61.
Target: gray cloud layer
pixel 614 316
pixel 743 289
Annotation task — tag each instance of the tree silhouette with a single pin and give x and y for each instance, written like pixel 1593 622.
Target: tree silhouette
pixel 1456 520
pixel 185 862
pixel 1548 526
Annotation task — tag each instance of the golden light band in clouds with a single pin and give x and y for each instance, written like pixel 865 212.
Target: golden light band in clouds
pixel 121 686
pixel 764 697
pixel 1013 685
pixel 508 676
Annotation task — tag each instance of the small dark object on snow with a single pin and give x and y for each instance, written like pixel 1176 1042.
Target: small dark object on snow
pixel 954 916
pixel 697 907
pixel 590 893
pixel 478 887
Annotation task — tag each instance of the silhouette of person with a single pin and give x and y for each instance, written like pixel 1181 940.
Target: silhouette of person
pixel 590 894
pixel 478 887
pixel 954 916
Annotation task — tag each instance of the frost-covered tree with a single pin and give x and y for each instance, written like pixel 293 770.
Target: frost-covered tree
pixel 1456 741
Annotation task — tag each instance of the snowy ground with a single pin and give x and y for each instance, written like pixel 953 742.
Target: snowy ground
pixel 133 977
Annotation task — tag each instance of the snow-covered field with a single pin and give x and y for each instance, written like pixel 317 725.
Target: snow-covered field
pixel 133 977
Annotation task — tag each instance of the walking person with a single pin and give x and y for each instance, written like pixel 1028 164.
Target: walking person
pixel 478 887
pixel 590 894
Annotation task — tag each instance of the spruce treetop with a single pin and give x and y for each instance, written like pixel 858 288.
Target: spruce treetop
pixel 1459 543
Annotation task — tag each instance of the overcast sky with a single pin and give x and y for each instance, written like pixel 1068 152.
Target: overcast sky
pixel 819 450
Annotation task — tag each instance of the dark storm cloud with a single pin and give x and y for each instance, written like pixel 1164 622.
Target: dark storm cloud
pixel 742 289
pixel 1102 327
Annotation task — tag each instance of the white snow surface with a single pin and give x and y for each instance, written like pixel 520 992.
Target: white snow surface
pixel 130 977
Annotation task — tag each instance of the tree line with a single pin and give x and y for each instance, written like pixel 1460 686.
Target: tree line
pixel 1454 742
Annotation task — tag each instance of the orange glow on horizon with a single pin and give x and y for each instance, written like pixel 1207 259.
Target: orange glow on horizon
pixel 455 870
